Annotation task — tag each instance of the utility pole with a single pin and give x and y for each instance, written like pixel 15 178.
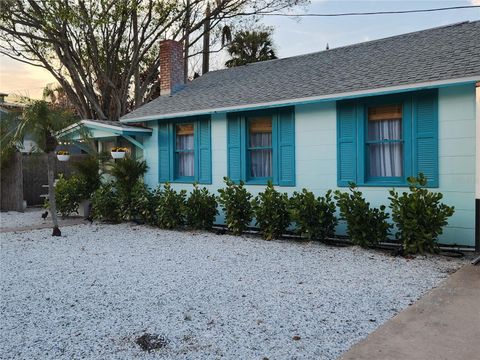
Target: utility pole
pixel 206 41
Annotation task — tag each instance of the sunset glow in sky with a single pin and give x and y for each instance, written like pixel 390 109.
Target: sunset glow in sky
pixel 295 36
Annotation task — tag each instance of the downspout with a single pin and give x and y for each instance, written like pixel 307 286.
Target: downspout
pixel 477 167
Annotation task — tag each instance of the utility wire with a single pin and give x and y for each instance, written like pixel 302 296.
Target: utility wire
pixel 373 12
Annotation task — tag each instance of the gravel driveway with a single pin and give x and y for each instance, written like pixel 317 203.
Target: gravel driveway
pixel 92 292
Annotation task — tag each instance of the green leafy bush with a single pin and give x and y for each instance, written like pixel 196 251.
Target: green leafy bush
pixel 68 194
pixel 314 217
pixel 201 209
pixel 236 204
pixel 89 174
pixel 366 226
pixel 127 173
pixel 106 204
pixel 143 204
pixel 270 209
pixel 419 216
pixel 171 208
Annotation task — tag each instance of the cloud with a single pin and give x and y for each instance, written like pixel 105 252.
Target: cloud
pixel 475 2
pixel 18 78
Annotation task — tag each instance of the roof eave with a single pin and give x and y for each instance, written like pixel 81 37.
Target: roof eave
pixel 312 99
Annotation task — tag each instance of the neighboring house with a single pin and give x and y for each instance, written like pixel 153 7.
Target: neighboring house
pixel 9 109
pixel 373 113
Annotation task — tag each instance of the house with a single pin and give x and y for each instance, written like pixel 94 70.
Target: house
pixel 372 113
pixel 10 111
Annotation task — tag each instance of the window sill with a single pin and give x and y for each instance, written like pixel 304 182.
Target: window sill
pixel 186 180
pixel 263 181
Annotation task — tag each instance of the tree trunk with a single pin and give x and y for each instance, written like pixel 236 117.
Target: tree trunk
pixel 51 192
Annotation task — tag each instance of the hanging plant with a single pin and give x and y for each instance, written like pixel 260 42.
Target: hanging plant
pixel 63 155
pixel 118 152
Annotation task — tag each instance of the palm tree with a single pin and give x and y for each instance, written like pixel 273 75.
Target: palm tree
pixel 249 47
pixel 41 121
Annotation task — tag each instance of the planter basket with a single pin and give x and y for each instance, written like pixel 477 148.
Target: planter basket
pixel 63 157
pixel 118 154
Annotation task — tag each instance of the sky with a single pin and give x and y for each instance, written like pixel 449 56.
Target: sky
pixel 295 36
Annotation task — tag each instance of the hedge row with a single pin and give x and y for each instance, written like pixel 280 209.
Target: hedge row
pixel 418 215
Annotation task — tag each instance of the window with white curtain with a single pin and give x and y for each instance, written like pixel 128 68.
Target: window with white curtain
pixel 184 150
pixel 384 141
pixel 260 147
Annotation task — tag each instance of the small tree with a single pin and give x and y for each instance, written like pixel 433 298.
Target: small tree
pixel 41 122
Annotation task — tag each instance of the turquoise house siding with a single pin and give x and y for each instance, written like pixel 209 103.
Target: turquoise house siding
pixel 316 157
pixel 150 151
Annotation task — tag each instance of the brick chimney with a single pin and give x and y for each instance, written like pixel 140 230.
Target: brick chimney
pixel 171 67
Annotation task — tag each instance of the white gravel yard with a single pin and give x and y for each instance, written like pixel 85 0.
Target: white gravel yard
pixel 90 293
pixel 31 217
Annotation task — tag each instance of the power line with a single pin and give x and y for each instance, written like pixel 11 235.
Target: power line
pixel 373 12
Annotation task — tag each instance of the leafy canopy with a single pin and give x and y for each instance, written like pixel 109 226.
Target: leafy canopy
pixel 250 47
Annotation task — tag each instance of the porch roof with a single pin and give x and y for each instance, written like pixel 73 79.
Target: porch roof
pixel 98 129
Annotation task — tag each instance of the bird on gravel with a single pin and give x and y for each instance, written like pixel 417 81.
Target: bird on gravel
pixel 44 215
pixel 90 219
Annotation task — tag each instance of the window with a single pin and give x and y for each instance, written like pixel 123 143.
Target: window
pixel 260 147
pixel 384 141
pixel 184 151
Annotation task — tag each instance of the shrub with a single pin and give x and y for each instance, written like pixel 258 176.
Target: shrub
pixel 314 217
pixel 105 203
pixel 366 226
pixel 143 204
pixel 170 208
pixel 68 194
pixel 89 174
pixel 235 202
pixel 127 173
pixel 419 216
pixel 271 212
pixel 201 209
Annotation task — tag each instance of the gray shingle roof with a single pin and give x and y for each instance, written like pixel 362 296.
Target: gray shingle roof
pixel 449 52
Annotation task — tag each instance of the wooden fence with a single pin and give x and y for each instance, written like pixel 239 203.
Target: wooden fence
pixel 11 196
pixel 26 176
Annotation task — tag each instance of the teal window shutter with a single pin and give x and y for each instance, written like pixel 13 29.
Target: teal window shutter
pixel 204 152
pixel 286 147
pixel 164 152
pixel 346 143
pixel 425 136
pixel 234 147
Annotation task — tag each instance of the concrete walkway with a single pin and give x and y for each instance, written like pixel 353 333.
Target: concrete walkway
pixel 444 324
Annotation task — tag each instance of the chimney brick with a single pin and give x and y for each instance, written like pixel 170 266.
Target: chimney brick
pixel 171 67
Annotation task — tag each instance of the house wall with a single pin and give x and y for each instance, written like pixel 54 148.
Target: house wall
pixel 316 157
